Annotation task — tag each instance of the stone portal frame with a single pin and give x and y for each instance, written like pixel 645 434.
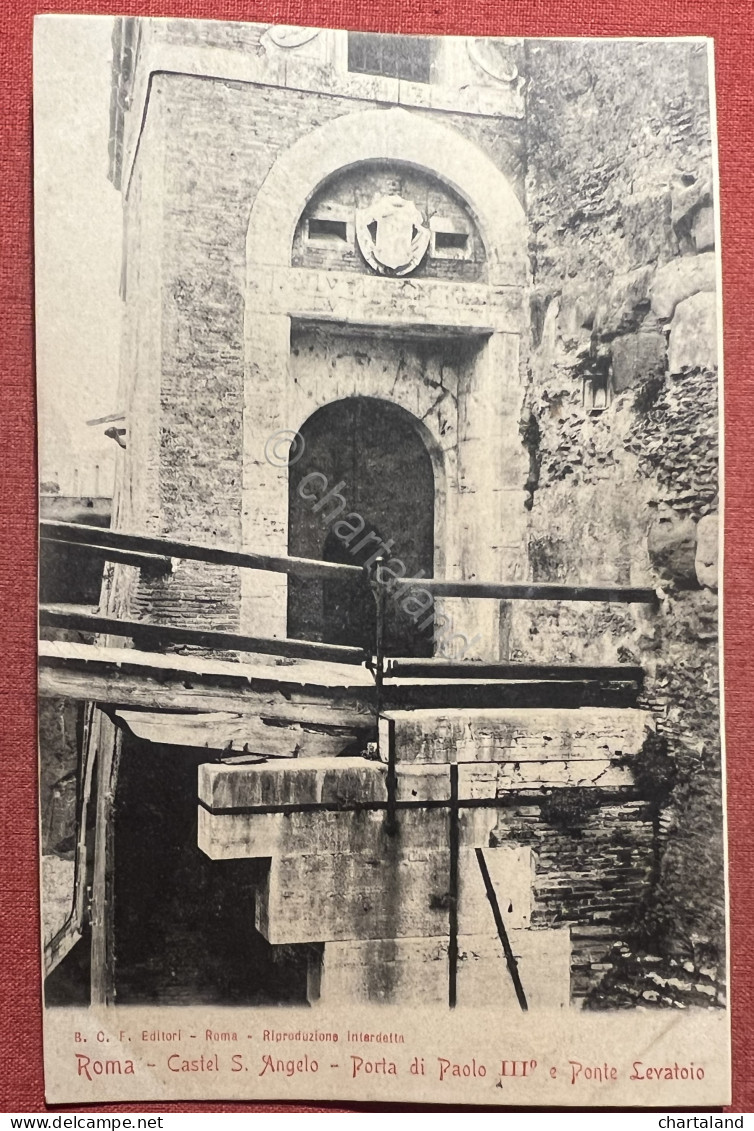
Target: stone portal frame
pixel 484 465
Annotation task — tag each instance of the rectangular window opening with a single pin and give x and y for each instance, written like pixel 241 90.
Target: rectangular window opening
pixel 406 57
pixel 451 240
pixel 320 229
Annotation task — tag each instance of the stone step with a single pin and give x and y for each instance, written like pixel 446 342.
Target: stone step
pixel 403 892
pixel 414 971
pixel 515 735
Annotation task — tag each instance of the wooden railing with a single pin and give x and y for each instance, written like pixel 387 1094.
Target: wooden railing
pixel 153 637
pixel 151 551
pixel 110 543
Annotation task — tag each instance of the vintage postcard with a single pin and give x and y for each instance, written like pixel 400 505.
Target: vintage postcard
pixel 380 712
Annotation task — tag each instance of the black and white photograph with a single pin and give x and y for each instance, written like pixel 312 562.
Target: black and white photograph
pixel 379 397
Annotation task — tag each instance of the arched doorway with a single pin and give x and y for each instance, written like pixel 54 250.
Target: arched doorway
pixel 365 479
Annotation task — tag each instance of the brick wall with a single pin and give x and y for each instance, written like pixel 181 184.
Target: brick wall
pixel 594 864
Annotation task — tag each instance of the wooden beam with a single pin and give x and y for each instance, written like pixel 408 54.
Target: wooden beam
pixel 296 691
pixel 447 669
pixel 60 945
pixel 539 591
pixel 155 635
pixel 98 538
pixel 229 732
pixel 155 562
pixel 438 694
pixel 107 741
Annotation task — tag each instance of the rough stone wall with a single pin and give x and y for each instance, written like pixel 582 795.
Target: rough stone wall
pixel 621 424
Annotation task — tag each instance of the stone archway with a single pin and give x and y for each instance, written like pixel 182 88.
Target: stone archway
pixel 473 418
pixel 397 135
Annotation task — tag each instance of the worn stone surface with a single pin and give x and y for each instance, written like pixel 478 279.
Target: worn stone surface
pixel 594 431
pixel 517 735
pixel 395 893
pixel 598 479
pixel 707 545
pixel 693 334
pixel 415 971
pixel 672 548
pixel 679 280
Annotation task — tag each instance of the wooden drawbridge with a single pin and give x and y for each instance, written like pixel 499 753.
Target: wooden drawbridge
pixel 400 739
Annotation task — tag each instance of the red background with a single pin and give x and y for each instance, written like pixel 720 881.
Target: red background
pixel 731 23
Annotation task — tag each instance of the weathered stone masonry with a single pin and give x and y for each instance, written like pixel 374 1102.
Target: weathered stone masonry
pixel 621 215
pixel 599 390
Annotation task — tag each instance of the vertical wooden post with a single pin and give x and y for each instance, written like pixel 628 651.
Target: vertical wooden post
pixel 107 754
pixel 453 838
pixel 380 597
pixel 392 780
pixel 81 890
pixel 510 958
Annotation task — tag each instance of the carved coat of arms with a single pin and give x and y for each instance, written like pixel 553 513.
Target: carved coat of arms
pixel 392 235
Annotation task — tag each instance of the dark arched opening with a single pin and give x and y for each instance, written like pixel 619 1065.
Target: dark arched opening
pixel 364 486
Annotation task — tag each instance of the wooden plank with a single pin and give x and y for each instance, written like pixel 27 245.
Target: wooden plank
pixel 438 694
pixel 472 670
pixel 172 548
pixel 155 635
pixel 515 734
pixel 139 560
pixel 228 732
pixel 293 674
pixel 414 971
pixel 537 591
pixel 107 741
pixel 298 691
